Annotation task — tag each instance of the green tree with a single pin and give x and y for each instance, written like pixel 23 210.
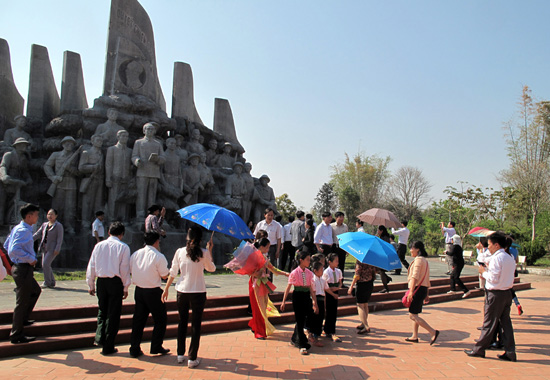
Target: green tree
pixel 325 201
pixel 359 182
pixel 528 150
pixel 285 206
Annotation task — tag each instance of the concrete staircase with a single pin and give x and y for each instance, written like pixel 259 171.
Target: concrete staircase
pixel 74 327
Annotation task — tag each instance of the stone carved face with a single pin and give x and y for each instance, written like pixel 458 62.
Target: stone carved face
pixel 122 137
pixel 21 148
pixel 203 158
pixel 21 122
pixel 238 169
pixel 264 182
pixel 248 167
pixel 68 146
pixel 112 114
pixel 97 141
pixel 227 149
pixel 213 144
pixel 171 144
pixel 149 130
pixel 194 161
pixel 195 135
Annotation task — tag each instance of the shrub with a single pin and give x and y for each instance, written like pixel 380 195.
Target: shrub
pixel 534 250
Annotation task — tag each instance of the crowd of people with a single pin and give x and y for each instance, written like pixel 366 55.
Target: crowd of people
pixel 315 274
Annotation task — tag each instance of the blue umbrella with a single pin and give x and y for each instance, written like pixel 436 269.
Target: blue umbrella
pixel 217 219
pixel 370 249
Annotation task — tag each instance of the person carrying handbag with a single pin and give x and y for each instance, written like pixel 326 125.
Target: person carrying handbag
pixel 419 282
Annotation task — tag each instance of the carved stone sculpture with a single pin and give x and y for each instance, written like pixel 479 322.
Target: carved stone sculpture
pixel 194 146
pixel 192 179
pixel 61 169
pixel 18 132
pixel 225 160
pixel 171 175
pixel 14 174
pixel 235 189
pixel 118 175
pixel 92 166
pixel 108 130
pixel 266 198
pixel 250 191
pixel 147 156
pixel 182 153
pixel 212 152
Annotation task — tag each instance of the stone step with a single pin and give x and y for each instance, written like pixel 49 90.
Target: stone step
pixel 78 332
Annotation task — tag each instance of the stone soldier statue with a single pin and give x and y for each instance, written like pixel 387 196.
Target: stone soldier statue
pixel 225 160
pixel 171 174
pixel 118 174
pixel 194 146
pixel 207 180
pixel 14 174
pixel 212 152
pixel 266 198
pixel 250 191
pixel 13 134
pixel 182 153
pixel 235 189
pixel 147 156
pixel 61 169
pixel 192 179
pixel 108 130
pixel 92 165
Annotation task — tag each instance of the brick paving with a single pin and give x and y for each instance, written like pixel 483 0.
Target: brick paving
pixel 381 355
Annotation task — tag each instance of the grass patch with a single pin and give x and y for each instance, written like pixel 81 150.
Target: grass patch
pixel 543 262
pixel 59 276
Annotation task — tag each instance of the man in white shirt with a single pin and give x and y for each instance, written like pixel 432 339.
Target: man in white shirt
pixel 148 267
pixel 110 264
pixel 403 237
pixel 324 236
pixel 98 231
pixel 274 234
pixel 448 233
pixel 288 250
pixel 338 228
pixel 499 277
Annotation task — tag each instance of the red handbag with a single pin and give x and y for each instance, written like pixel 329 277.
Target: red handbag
pixel 405 300
pixel 5 260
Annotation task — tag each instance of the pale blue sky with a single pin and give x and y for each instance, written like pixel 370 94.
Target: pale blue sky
pixel 429 83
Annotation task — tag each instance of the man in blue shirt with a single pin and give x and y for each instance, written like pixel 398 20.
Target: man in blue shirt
pixel 20 247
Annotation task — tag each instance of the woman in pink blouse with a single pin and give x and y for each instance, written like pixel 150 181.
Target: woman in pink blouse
pixel 303 299
pixel 419 277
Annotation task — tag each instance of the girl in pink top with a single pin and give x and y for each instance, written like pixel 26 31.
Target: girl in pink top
pixel 303 299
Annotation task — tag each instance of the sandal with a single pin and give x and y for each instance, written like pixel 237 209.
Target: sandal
pixel 303 351
pixel 363 331
pixel 412 340
pixel 337 339
pixel 435 337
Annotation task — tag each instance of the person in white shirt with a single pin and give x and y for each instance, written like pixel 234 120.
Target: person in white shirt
pixel 448 233
pixel 499 277
pixel 359 226
pixel 298 231
pixel 190 262
pixel 324 237
pixel 110 264
pixel 98 231
pixel 274 234
pixel 288 250
pixel 338 228
pixel 333 277
pixel 483 256
pixel 403 237
pixel 148 267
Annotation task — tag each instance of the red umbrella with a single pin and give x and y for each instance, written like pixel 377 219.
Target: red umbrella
pixel 379 216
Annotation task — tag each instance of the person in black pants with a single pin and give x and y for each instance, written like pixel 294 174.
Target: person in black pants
pixel 110 264
pixel 19 245
pixel 457 258
pixel 403 236
pixel 148 267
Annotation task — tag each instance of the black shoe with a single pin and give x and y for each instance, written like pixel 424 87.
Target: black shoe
pixel 496 346
pixel 384 291
pixel 389 279
pixel 28 322
pixel 508 356
pixel 472 353
pixel 447 273
pixel 162 351
pixel 23 339
pixel 136 354
pixel 105 352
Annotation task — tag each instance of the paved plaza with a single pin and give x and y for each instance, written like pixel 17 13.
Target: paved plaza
pixel 381 355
